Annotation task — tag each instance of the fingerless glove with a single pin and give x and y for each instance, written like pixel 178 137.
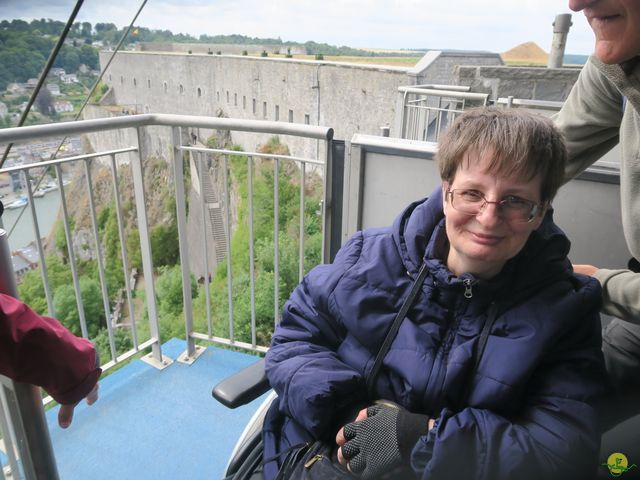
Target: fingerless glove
pixel 383 440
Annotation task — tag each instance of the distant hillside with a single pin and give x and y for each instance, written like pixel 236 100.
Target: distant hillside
pixel 528 52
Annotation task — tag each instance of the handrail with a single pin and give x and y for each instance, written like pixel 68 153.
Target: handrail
pixel 524 102
pixel 395 146
pixel 451 88
pixel 445 93
pixel 17 134
pixel 58 161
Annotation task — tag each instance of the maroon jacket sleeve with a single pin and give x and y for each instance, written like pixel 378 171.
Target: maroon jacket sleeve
pixel 39 350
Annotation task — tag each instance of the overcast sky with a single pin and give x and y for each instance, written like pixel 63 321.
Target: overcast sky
pixel 494 25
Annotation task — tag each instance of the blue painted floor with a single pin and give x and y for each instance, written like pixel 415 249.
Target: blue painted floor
pixel 155 424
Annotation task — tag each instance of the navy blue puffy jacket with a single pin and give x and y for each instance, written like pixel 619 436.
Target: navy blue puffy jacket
pixel 528 410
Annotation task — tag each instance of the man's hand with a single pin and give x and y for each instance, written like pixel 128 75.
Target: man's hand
pixel 585 269
pixel 65 414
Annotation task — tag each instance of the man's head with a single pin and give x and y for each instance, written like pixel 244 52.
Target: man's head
pixel 616 24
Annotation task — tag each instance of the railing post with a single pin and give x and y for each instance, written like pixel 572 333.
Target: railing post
pixel 276 241
pixel 99 257
pixel 72 257
pixel 155 358
pixel 326 207
pixel 23 401
pixel 192 351
pixel 43 266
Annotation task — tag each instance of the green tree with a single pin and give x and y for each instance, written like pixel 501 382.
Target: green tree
pixel 64 301
pixel 170 301
pixel 112 250
pixel 68 58
pixel 89 56
pixel 86 30
pixel 31 289
pixel 121 339
pixel 165 244
pixel 169 290
pixel 133 249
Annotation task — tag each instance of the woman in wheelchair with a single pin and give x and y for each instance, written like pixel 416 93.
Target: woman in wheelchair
pixel 494 369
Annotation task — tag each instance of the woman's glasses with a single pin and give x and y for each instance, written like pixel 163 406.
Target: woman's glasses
pixel 511 208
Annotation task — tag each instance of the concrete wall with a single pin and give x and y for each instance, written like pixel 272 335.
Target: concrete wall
pixel 534 83
pixel 438 67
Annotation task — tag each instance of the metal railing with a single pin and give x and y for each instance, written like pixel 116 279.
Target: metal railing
pixel 427 110
pixel 222 203
pixel 544 105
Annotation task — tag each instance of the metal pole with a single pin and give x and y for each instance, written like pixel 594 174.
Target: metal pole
pixel 72 258
pixel 561 27
pixel 99 257
pixel 204 210
pixel 155 358
pixel 35 451
pixel 276 242
pixel 252 273
pixel 181 219
pixel 227 231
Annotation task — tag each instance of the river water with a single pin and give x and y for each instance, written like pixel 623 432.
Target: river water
pixel 23 233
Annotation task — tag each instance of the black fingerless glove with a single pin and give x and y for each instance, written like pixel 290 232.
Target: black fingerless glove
pixel 383 440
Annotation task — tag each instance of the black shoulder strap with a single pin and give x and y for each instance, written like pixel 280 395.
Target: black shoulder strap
pixel 393 330
pixel 492 314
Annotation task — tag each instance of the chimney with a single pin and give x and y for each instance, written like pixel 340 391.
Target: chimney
pixel 561 27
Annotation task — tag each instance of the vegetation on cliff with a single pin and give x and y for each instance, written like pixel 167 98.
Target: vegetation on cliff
pixel 161 210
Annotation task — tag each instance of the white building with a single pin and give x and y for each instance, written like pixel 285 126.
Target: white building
pixel 62 106
pixel 54 88
pixel 3 109
pixel 69 78
pixel 16 88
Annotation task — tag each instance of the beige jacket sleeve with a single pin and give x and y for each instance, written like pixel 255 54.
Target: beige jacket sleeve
pixel 621 293
pixel 590 119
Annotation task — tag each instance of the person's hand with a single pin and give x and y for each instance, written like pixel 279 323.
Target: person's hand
pixel 65 414
pixel 585 269
pixel 380 439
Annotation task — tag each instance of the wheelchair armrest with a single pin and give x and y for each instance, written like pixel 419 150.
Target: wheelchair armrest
pixel 242 387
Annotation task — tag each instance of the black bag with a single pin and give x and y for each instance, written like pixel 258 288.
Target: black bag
pixel 315 461
pixel 318 461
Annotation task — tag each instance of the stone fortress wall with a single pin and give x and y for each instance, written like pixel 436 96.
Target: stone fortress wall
pixel 223 48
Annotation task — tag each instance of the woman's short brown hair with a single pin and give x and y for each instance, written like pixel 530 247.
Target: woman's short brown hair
pixel 521 143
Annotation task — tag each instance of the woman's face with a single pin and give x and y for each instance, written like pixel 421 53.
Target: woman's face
pixel 481 244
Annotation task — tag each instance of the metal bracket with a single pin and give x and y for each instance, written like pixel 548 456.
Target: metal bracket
pixel 160 365
pixel 187 359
